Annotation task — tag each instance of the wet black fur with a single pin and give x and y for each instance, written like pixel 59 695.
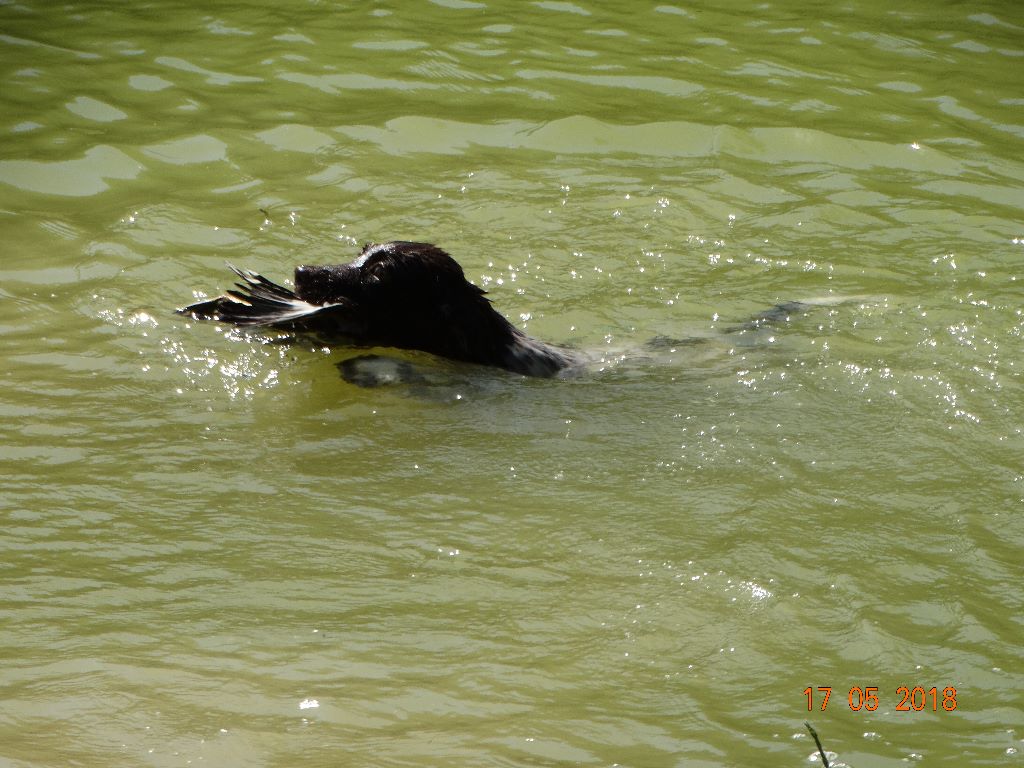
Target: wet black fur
pixel 398 294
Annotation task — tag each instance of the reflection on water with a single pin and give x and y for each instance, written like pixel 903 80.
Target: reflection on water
pixel 217 551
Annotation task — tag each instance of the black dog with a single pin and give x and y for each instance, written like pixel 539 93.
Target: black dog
pixel 399 294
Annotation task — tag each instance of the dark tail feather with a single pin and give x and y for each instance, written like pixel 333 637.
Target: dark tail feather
pixel 257 301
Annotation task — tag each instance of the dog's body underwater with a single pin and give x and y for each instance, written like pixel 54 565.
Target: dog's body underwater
pixel 398 294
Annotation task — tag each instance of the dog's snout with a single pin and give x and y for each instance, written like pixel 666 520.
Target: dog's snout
pixel 322 283
pixel 310 283
pixel 308 273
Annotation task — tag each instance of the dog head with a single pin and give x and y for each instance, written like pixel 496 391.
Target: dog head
pixel 409 295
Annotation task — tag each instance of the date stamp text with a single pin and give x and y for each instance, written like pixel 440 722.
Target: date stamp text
pixel 907 699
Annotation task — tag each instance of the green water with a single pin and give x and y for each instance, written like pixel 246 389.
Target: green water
pixel 217 552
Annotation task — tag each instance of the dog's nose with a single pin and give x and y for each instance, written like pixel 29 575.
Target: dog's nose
pixel 316 283
pixel 306 281
pixel 307 274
